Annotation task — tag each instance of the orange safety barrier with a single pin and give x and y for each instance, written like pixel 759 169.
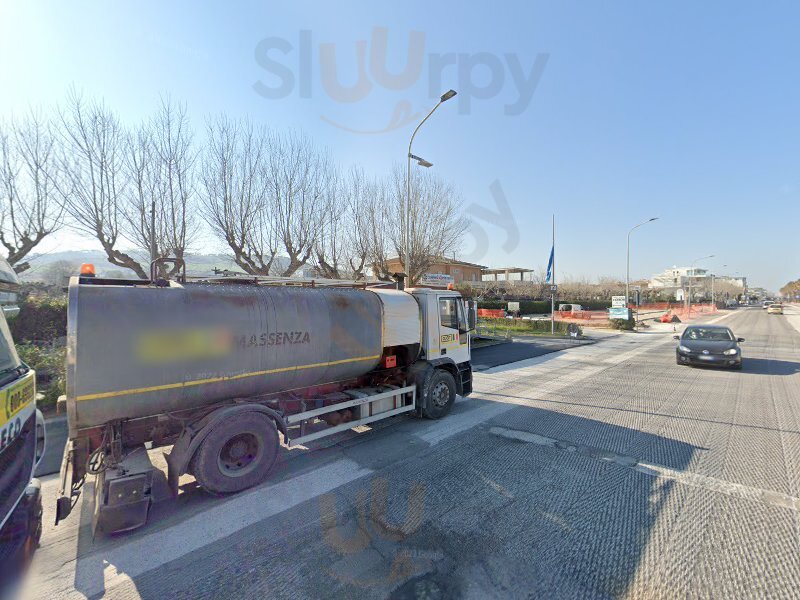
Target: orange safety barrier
pixel 695 311
pixel 491 312
pixel 582 315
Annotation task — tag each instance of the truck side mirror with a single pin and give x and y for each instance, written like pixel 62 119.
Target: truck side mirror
pixel 676 337
pixel 472 315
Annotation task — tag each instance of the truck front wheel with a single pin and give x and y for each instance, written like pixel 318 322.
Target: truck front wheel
pixel 238 453
pixel 438 394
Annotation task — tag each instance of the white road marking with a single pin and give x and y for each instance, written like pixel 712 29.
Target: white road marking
pixel 711 484
pixel 95 573
pixel 792 314
pixel 491 381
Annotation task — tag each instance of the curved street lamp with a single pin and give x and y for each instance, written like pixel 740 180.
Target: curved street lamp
pixel 696 260
pixel 628 270
pixel 423 163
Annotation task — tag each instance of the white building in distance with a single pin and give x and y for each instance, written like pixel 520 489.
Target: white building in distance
pixel 676 282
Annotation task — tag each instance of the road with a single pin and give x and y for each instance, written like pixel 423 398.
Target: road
pixel 600 471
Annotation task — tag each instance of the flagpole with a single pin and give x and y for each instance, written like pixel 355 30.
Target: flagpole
pixel 552 293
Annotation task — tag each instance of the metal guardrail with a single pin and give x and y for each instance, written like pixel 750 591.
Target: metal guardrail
pixel 492 331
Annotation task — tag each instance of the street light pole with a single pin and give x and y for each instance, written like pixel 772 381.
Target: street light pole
pixel 695 261
pixel 407 248
pixel 713 277
pixel 628 269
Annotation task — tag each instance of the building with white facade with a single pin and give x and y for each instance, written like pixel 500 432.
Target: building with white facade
pixel 676 283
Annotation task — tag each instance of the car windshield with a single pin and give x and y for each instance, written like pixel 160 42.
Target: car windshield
pixel 708 334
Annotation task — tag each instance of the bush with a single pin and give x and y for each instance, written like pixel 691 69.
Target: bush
pixel 48 362
pixel 527 326
pixel 623 324
pixel 40 319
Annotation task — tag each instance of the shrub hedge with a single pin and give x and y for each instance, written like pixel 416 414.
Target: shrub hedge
pixel 40 319
pixel 623 324
pixel 38 331
pixel 48 362
pixel 525 325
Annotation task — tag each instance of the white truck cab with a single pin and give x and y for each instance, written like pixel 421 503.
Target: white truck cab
pixel 445 332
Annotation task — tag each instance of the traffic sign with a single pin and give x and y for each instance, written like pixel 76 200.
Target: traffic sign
pixel 618 301
pixel 619 313
pixel 554 288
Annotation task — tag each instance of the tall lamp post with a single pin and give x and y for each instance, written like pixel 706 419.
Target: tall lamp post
pixel 424 163
pixel 713 277
pixel 628 270
pixel 695 261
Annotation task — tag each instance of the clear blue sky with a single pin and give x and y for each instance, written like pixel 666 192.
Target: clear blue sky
pixel 684 110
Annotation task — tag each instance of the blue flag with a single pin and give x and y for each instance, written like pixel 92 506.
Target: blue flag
pixel 550 264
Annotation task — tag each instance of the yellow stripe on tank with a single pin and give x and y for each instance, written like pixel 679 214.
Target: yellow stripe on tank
pixel 172 386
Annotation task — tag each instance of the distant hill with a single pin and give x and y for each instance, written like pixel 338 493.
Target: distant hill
pixel 46 267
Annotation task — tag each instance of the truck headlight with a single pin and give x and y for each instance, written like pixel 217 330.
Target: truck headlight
pixel 731 352
pixel 684 349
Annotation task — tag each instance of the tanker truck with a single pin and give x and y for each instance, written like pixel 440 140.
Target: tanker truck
pixel 225 371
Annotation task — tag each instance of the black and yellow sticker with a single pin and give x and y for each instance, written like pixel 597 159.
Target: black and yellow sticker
pixel 447 338
pixel 16 397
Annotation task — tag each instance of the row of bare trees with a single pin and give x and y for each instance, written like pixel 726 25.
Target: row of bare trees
pixel 276 200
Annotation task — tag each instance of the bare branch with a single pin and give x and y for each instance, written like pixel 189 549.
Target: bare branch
pixel 30 172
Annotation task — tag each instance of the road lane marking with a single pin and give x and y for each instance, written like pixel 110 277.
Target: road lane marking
pixel 493 382
pixel 95 573
pixel 705 482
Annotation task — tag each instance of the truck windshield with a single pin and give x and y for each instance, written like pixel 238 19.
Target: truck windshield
pixel 9 359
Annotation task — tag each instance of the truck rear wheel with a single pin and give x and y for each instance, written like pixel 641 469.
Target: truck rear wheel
pixel 438 394
pixel 237 454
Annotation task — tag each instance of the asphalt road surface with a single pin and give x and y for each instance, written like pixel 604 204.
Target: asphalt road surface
pixel 599 471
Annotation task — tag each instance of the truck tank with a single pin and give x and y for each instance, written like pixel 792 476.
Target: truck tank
pixel 141 350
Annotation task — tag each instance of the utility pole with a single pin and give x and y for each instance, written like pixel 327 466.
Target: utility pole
pixel 553 284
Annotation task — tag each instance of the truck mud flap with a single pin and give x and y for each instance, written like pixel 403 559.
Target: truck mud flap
pixel 124 493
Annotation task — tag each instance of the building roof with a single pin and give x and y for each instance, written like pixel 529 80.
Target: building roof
pixel 443 260
pixel 504 270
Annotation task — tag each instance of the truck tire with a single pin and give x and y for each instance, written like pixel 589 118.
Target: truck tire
pixel 438 394
pixel 238 453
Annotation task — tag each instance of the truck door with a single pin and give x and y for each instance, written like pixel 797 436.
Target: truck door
pixel 453 335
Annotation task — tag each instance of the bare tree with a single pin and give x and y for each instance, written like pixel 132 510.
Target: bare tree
pixel 96 179
pixel 234 198
pixel 344 240
pixel 159 216
pixel 29 175
pixel 436 224
pixel 299 177
pixel 264 194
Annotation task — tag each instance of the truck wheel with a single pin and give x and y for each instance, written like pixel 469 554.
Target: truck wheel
pixel 439 394
pixel 237 454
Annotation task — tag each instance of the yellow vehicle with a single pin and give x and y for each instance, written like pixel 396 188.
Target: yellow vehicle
pixel 21 447
pixel 775 309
